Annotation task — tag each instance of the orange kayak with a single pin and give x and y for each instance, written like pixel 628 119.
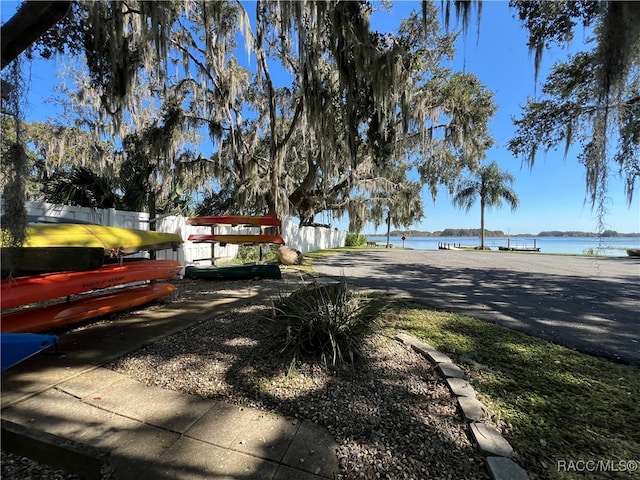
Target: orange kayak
pixel 239 239
pixel 44 318
pixel 37 288
pixel 254 221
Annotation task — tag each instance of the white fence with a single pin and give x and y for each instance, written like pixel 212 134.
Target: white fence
pixel 305 239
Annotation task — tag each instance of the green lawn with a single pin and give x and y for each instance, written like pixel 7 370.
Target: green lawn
pixel 553 404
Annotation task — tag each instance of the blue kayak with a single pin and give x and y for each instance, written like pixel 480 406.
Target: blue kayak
pixel 16 347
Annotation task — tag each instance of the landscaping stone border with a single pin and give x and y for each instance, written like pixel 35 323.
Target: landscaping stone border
pixel 490 442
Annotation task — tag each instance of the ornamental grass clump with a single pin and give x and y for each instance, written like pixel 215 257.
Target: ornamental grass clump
pixel 323 322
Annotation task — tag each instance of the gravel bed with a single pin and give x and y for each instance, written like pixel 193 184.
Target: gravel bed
pixel 16 467
pixel 393 417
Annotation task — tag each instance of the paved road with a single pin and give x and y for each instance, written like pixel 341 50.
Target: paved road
pixel 586 303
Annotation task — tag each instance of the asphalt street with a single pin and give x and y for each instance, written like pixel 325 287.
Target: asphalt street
pixel 591 304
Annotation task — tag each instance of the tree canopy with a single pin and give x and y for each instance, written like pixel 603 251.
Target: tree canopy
pixel 331 113
pixel 334 107
pixel 592 99
pixel 491 185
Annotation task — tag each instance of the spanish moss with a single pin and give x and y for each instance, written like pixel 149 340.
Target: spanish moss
pixel 14 161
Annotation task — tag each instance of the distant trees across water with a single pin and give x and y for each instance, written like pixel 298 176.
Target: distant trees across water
pixel 475 232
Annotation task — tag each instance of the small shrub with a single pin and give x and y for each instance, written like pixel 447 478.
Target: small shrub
pixel 326 323
pixel 251 253
pixel 595 251
pixel 354 240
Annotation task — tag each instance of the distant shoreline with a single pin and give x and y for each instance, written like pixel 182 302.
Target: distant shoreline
pixel 470 232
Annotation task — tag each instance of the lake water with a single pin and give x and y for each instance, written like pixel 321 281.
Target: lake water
pixel 608 246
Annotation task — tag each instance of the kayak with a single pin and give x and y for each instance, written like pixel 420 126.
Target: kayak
pixel 234 272
pixel 17 347
pixel 65 313
pixel 17 261
pixel 237 239
pixel 254 221
pixel 113 240
pixel 38 288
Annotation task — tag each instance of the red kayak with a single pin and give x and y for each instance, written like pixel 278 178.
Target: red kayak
pixel 253 221
pixel 237 239
pixel 32 289
pixel 44 318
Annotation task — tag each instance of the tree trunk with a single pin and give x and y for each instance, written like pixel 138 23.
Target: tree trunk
pixel 482 205
pixel 277 160
pixel 152 215
pixel 389 230
pixel 275 153
pixel 29 23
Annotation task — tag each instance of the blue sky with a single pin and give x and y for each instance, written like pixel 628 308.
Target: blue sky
pixel 552 193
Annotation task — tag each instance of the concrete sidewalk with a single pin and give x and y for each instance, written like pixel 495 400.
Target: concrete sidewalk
pixel 152 433
pixel 149 432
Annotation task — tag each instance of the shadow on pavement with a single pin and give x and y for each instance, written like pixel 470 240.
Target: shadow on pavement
pixel 594 314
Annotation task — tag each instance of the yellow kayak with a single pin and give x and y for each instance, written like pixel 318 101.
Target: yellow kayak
pixel 114 240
